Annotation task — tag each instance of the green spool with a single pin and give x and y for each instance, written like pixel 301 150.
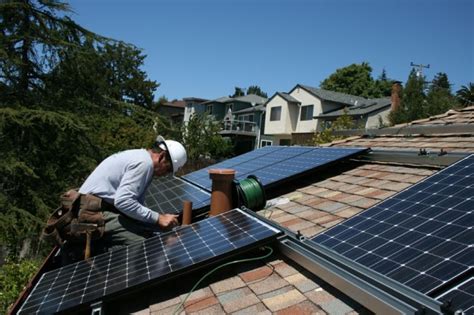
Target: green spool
pixel 250 193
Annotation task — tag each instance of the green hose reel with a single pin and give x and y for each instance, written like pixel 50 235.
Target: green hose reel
pixel 249 192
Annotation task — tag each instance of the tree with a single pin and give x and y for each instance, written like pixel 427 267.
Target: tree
pixel 202 139
pixel 238 92
pixel 99 73
pixel 382 87
pixel 32 34
pixel 465 94
pixel 354 79
pixel 439 98
pixel 412 101
pixel 255 89
pixel 343 122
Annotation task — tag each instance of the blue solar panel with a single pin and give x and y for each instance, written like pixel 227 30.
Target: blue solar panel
pixel 272 164
pixel 145 263
pixel 421 237
pixel 166 195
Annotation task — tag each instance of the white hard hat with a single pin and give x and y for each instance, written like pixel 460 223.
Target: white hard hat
pixel 176 151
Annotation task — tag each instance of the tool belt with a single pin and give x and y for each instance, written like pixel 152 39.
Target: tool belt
pixel 76 216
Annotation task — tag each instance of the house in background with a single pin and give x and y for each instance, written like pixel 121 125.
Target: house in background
pixel 370 114
pixel 193 105
pixel 293 117
pixel 174 110
pixel 241 117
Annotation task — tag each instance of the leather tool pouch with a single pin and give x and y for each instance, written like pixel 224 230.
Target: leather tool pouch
pixel 91 212
pixel 75 215
pixel 58 225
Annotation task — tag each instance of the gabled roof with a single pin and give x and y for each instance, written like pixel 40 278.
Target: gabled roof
pixel 251 98
pixel 287 97
pixel 363 108
pixel 332 96
pixel 175 103
pixel 258 108
pixel 195 99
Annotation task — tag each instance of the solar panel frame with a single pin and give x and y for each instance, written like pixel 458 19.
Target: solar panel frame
pixel 157 259
pixel 407 232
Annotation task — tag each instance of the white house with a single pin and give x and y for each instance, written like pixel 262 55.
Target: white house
pixel 293 117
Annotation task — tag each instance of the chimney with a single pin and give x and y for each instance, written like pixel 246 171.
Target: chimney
pixel 395 97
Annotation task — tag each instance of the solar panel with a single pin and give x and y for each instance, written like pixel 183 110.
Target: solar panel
pixel 272 164
pixel 421 237
pixel 461 297
pixel 166 195
pixel 156 259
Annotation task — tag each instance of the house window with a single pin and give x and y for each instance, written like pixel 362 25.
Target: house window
pixel 189 108
pixel 229 107
pixel 209 109
pixel 306 112
pixel 285 141
pixel 275 113
pixel 265 143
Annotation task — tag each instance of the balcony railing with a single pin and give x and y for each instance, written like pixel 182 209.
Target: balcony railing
pixel 239 126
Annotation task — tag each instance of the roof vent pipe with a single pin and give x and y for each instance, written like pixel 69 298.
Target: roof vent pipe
pixel 221 195
pixel 187 212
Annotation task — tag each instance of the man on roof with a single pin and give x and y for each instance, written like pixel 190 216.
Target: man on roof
pixel 116 190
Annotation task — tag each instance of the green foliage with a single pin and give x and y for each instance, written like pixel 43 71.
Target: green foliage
pixel 238 92
pixel 439 98
pixel 253 89
pixel 343 122
pixel 465 94
pixel 98 74
pixel 14 276
pixel 43 152
pixel 356 80
pixel 414 104
pixel 202 139
pixel 412 101
pixel 33 33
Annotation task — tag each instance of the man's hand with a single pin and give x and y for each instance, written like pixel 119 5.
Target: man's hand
pixel 167 221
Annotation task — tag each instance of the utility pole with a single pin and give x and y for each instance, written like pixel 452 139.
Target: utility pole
pixel 419 71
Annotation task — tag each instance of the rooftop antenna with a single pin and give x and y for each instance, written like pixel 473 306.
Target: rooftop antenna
pixel 419 70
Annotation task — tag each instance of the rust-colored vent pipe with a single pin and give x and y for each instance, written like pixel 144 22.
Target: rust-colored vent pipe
pixel 221 195
pixel 187 209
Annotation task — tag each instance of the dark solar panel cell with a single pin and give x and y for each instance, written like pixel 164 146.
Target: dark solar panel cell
pixel 388 248
pixel 404 256
pixel 446 270
pixel 384 266
pixel 354 252
pixel 423 283
pixel 373 243
pixel 403 274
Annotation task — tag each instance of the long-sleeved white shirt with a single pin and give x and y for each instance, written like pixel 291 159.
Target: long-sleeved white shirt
pixel 122 180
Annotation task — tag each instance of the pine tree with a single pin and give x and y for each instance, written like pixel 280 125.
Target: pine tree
pixel 439 98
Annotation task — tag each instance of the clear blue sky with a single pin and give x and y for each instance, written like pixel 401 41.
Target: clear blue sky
pixel 204 48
